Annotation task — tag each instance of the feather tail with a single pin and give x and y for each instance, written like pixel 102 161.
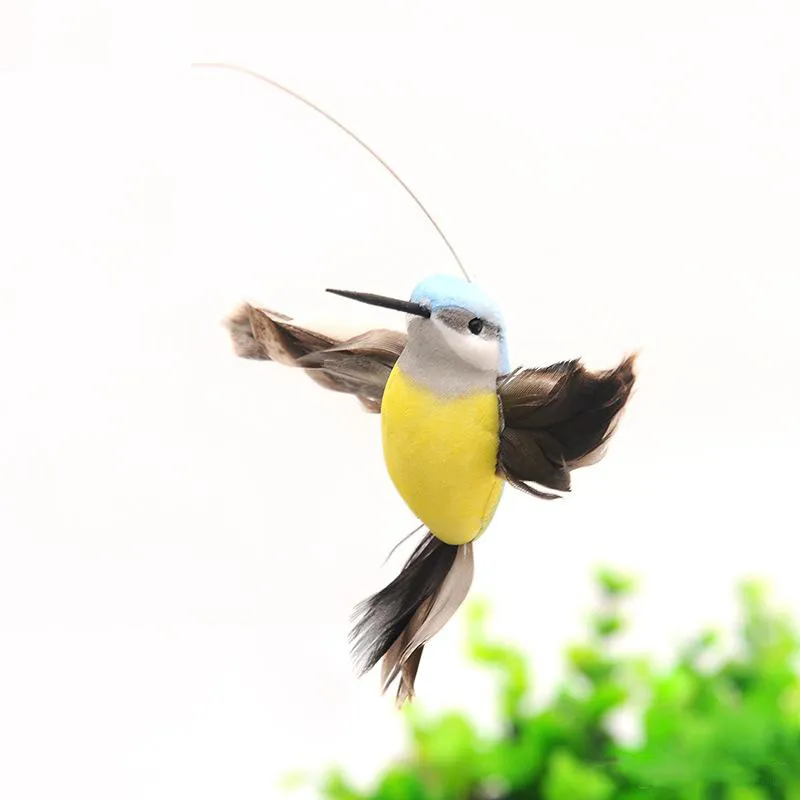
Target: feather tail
pixel 394 624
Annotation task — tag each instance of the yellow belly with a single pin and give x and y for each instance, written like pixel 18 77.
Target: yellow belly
pixel 442 457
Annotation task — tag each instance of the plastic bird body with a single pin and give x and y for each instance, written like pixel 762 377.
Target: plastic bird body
pixel 441 414
pixel 456 426
pixel 441 453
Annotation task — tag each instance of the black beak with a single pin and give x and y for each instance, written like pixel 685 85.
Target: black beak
pixel 384 302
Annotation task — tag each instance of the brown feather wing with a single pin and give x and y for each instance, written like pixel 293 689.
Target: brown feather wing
pixel 558 418
pixel 358 366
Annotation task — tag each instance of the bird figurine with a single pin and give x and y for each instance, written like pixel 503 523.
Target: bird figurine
pixel 457 425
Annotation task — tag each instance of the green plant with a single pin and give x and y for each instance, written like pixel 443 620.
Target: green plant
pixel 715 725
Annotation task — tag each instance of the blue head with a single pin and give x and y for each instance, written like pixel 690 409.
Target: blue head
pixel 469 322
pixel 468 311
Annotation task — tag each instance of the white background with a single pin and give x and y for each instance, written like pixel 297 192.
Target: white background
pixel 183 534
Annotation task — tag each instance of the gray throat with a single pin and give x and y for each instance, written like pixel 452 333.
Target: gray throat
pixel 429 361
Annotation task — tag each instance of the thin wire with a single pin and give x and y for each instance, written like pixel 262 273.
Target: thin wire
pixel 275 84
pixel 403 541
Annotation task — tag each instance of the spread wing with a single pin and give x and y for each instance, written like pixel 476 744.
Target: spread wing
pixel 358 366
pixel 558 418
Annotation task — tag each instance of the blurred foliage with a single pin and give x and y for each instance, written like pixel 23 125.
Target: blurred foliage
pixel 714 725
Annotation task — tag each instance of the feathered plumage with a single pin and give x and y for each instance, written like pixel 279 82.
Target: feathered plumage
pixel 358 366
pixel 558 418
pixel 396 622
pixel 552 420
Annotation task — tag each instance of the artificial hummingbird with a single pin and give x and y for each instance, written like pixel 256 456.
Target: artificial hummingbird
pixel 456 426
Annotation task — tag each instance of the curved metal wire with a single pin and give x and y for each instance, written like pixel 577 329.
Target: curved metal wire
pixel 296 96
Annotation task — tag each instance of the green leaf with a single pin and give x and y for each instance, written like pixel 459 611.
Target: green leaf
pixel 606 625
pixel 615 584
pixel 568 779
pixel 336 787
pixel 400 783
pixel 589 662
pixel 746 793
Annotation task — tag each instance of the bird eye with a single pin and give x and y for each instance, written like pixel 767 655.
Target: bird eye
pixel 475 325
